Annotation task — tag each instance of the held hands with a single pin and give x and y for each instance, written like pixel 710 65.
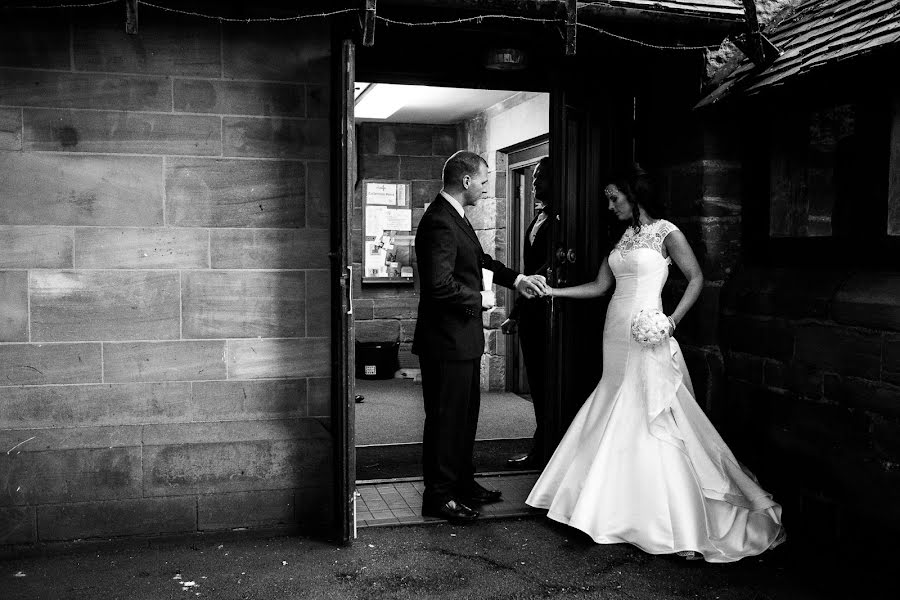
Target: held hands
pixel 532 286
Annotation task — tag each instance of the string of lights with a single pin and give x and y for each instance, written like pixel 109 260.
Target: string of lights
pixel 475 19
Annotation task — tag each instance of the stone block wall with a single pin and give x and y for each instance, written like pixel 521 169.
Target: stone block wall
pixel 410 152
pixel 519 118
pixel 164 277
pixel 812 363
pixel 695 162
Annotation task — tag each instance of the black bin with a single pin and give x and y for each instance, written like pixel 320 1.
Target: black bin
pixel 377 360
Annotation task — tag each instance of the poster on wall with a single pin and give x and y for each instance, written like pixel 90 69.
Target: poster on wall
pixel 387 232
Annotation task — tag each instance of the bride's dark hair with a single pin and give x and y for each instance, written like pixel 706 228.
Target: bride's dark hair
pixel 635 183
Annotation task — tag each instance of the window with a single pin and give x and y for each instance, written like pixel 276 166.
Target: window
pixel 825 177
pixel 828 170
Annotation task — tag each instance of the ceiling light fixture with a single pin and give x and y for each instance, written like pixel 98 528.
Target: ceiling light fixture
pixel 381 100
pixel 505 59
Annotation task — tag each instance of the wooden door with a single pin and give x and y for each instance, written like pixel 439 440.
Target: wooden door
pixel 343 418
pixel 591 136
pixel 520 177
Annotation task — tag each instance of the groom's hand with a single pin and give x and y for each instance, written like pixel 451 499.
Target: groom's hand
pixel 488 300
pixel 531 286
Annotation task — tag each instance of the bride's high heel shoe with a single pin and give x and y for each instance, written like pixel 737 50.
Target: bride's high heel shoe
pixel 689 555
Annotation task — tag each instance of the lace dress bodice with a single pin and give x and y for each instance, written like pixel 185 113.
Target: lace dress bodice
pixel 647 236
pixel 638 265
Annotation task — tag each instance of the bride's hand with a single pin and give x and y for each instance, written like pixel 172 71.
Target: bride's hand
pixel 672 325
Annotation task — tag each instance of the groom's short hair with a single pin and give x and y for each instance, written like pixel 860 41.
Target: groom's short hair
pixel 461 164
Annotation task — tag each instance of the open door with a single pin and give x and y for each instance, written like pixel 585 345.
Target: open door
pixel 521 162
pixel 591 135
pixel 343 417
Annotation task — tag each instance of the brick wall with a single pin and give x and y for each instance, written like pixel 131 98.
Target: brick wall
pixel 695 161
pixel 704 199
pixel 812 360
pixel 408 152
pixel 164 283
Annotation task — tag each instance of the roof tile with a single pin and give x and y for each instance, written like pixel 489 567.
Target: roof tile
pixel 817 33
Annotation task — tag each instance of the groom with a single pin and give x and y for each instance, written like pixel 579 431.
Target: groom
pixel 449 338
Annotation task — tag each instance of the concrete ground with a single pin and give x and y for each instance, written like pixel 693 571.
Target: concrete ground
pixel 504 559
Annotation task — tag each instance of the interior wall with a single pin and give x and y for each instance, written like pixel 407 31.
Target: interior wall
pixel 164 276
pixel 397 151
pixel 520 118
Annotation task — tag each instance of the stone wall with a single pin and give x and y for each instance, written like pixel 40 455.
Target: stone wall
pixel 695 162
pixel 520 118
pixel 704 199
pixel 809 392
pixel 812 361
pixel 164 277
pixel 409 152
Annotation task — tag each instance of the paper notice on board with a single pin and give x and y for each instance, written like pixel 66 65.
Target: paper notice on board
pixel 383 193
pixel 398 220
pixel 374 261
pixel 376 216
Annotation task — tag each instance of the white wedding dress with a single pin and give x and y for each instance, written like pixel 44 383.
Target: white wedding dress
pixel 641 463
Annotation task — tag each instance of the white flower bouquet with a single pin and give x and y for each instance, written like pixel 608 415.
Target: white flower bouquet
pixel 650 327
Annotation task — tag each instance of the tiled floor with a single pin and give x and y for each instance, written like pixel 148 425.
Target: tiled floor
pixel 399 501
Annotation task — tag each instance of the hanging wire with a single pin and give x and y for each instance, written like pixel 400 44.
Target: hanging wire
pixel 645 44
pixel 92 5
pixel 477 19
pixel 247 20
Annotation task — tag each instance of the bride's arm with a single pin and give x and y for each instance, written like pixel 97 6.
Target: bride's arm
pixel 681 253
pixel 595 288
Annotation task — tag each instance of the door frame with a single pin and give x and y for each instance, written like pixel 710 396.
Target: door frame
pixel 384 63
pixel 343 419
pixel 515 241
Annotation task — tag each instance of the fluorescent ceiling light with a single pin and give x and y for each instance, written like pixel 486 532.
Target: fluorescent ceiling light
pixel 381 100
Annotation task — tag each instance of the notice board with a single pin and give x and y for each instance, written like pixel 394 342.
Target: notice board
pixel 387 231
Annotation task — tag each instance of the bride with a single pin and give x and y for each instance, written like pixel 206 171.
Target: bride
pixel 641 463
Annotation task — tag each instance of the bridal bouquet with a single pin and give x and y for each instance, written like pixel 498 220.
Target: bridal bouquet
pixel 650 327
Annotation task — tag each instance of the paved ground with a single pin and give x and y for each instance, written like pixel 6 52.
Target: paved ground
pixel 503 559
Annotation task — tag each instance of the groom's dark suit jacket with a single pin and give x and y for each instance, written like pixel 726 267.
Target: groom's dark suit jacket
pixel 450 259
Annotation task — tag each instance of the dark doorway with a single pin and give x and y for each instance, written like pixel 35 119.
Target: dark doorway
pixel 521 161
pixel 404 134
pixel 592 130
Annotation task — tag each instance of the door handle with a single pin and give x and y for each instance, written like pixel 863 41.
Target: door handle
pixel 561 254
pixel 349 283
pixel 570 255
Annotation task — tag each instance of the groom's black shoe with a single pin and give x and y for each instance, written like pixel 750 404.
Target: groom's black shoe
pixel 524 461
pixel 475 493
pixel 451 510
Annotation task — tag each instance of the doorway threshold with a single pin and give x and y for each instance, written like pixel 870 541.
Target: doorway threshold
pixel 404 460
pixel 399 501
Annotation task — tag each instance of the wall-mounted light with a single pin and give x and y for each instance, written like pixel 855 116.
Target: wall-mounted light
pixel 505 59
